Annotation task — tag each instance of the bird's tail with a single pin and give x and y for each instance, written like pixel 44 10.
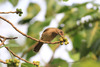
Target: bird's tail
pixel 38 46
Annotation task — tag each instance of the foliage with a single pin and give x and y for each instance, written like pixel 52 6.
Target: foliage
pixel 85 38
pixel 32 10
pixel 58 63
pixel 86 63
pixel 27 65
pixel 14 2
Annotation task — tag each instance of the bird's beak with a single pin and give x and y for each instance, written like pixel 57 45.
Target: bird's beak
pixel 61 34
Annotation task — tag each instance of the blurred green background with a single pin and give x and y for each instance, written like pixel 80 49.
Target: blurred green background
pixel 79 23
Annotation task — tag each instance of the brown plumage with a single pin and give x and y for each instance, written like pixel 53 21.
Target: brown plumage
pixel 48 35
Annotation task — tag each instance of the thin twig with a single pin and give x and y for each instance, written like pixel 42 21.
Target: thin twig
pixel 2 61
pixel 28 35
pixel 8 37
pixel 7 12
pixel 2 41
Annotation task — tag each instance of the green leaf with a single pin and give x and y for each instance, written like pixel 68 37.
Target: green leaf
pixel 86 63
pixel 58 63
pixel 91 12
pixel 27 65
pixel 95 48
pixel 32 10
pixel 63 9
pixel 79 5
pixel 13 2
pixel 14 46
pixel 65 0
pixel 75 56
pixel 94 34
pixel 84 50
pixel 10 45
pixel 52 7
pixel 77 41
pixel 81 9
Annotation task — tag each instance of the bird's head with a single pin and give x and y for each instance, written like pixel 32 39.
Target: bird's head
pixel 60 32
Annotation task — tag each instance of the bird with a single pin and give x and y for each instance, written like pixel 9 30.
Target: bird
pixel 48 35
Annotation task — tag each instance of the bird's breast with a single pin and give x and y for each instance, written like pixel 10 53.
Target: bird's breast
pixel 48 37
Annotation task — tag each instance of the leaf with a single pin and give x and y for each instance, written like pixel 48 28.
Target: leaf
pixel 27 65
pixel 86 63
pixel 63 9
pixel 75 56
pixel 58 63
pixel 30 54
pixel 65 0
pixel 91 12
pixel 14 46
pixel 13 2
pixel 32 10
pixel 77 41
pixel 95 48
pixel 10 45
pixel 17 49
pixel 74 13
pixel 94 34
pixel 52 7
pixel 81 9
pixel 79 5
pixel 84 50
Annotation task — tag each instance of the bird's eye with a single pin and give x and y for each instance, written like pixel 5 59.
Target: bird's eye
pixel 60 31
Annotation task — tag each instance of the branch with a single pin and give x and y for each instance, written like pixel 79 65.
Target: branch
pixel 8 12
pixel 18 11
pixel 13 53
pixel 8 37
pixel 18 56
pixel 2 61
pixel 2 41
pixel 28 35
